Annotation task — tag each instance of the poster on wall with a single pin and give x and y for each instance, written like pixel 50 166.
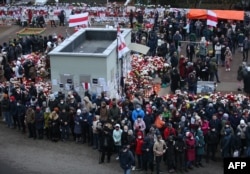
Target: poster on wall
pixel 206 87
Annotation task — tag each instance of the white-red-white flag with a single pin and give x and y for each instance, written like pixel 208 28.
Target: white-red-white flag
pixel 122 47
pixel 79 19
pixel 212 19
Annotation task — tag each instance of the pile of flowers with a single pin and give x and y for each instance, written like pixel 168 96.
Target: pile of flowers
pixel 143 70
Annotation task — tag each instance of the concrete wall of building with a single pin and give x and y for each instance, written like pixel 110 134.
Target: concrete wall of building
pixel 76 66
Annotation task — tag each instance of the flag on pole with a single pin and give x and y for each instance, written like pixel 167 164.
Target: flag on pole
pixel 79 19
pixel 212 19
pixel 122 47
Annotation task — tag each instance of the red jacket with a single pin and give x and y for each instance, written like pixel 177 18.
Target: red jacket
pixel 138 146
pixel 168 131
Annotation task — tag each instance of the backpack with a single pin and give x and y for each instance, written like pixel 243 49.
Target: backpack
pixel 20 70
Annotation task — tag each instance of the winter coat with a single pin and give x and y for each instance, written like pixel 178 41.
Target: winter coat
pixel 30 116
pixel 190 152
pixel 64 118
pixel 147 149
pixel 234 121
pixel 39 120
pixel 126 159
pixel 106 140
pixel 159 123
pixel 5 103
pixel 170 152
pixel 242 131
pixel 124 138
pixel 114 113
pixel 200 143
pixel 136 113
pixel 139 125
pixel 138 146
pixel 226 143
pixel 205 127
pixel 248 135
pixel 168 132
pixel 117 137
pixel 1 74
pixel 182 67
pixel 20 111
pixel 13 108
pixel 78 127
pixel 246 80
pixel 180 145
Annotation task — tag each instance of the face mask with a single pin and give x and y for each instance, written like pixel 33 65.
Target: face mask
pixel 213 130
pixel 61 102
pixel 125 130
pixel 242 125
pixel 125 118
pixel 139 119
pixel 227 125
pixel 138 109
pixel 140 137
pixel 18 104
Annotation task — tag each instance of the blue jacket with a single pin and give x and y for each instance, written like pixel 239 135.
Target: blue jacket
pixel 136 113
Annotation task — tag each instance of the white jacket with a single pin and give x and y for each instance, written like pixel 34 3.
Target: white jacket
pixel 217 49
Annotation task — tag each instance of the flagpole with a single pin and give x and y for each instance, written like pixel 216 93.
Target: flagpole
pixel 117 63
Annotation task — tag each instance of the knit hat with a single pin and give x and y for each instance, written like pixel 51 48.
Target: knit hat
pixel 242 122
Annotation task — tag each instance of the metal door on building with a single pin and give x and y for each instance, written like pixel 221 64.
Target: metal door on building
pixel 85 82
pixel 67 82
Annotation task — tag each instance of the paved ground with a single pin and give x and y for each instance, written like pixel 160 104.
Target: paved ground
pixel 21 155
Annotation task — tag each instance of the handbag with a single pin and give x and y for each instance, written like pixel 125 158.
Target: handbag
pixel 236 153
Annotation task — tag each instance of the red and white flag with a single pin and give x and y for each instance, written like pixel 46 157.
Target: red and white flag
pixel 212 19
pixel 79 19
pixel 122 47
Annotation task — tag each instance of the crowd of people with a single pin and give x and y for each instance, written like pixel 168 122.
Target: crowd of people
pixel 183 129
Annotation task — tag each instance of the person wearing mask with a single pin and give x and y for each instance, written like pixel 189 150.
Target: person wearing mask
pixel 78 127
pixel 126 159
pixel 138 111
pixel 241 128
pixel 245 49
pixel 139 124
pixel 138 149
pixel 170 154
pixel 226 144
pixel 159 149
pixel 84 124
pixel 117 136
pixel 217 49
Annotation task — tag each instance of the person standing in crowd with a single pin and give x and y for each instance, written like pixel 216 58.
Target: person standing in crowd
pixel 40 20
pixel 148 155
pixel 170 154
pixel 5 104
pixel 245 49
pixel 138 149
pixel 159 149
pixel 13 111
pixel 242 70
pixel 139 124
pixel 39 122
pixel 78 125
pixel 106 144
pixel 64 124
pixel 241 129
pixel 30 121
pixel 47 126
pixel 115 113
pixel 228 58
pixel 217 49
pixel 61 17
pixel 21 116
pixel 117 135
pixel 226 144
pixel 138 111
pixel 190 152
pixel 126 159
pixel 55 125
pixel 175 80
pixel 200 147
pixel 52 18
pixel 180 147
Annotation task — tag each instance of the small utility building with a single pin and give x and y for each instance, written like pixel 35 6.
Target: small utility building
pixel 88 60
